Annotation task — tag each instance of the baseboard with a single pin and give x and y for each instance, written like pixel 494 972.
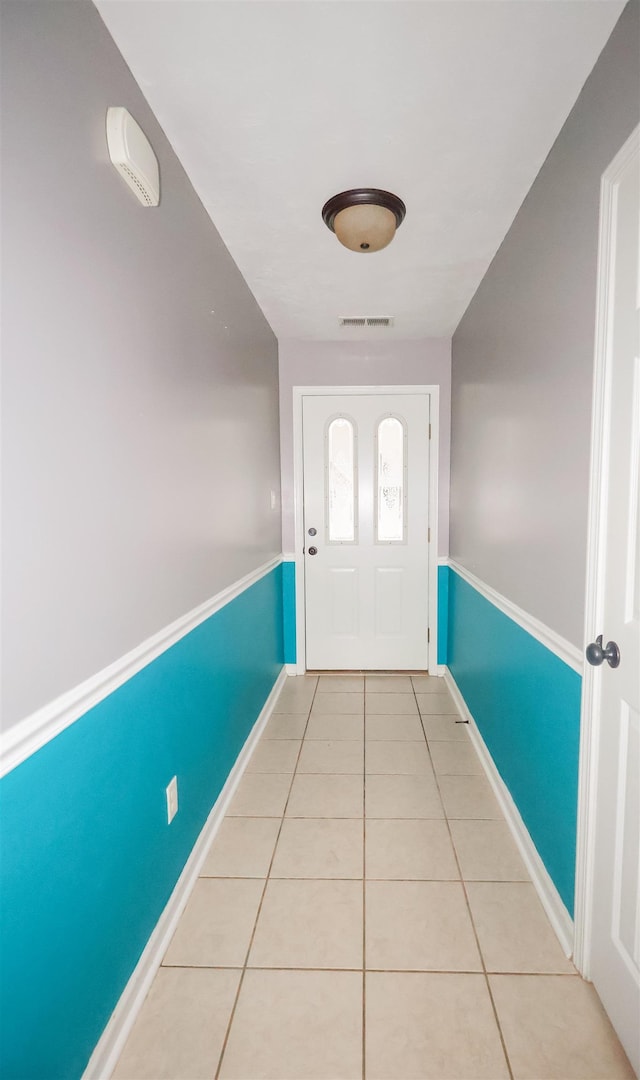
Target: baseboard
pixel 111 1043
pixel 291 669
pixel 549 896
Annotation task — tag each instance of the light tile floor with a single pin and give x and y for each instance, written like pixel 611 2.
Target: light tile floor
pixel 364 912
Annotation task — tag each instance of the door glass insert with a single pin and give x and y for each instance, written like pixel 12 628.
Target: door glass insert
pixel 340 471
pixel 391 482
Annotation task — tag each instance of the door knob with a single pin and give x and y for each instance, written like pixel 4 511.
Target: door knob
pixel 596 655
pixel 313 551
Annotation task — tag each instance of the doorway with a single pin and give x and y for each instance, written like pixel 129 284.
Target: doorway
pixel 366 527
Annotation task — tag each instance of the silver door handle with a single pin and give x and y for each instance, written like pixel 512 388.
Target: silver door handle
pixel 596 655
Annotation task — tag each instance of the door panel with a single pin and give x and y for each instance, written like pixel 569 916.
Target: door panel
pixel 343 600
pixel 366 495
pixel 627 842
pixel 388 587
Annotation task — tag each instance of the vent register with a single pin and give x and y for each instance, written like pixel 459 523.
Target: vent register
pixel 365 320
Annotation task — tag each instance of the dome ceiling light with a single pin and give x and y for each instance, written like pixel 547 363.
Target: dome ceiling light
pixel 364 219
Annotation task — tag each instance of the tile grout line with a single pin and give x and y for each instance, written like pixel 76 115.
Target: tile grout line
pixel 466 898
pixel 364 834
pixel 379 970
pixel 266 882
pixel 402 880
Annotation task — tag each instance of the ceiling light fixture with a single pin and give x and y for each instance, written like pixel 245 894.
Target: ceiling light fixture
pixel 364 219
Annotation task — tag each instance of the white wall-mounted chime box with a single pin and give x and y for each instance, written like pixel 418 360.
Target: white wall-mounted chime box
pixel 131 153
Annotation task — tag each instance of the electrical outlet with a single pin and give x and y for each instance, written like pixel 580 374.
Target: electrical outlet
pixel 172 799
pixel 274 500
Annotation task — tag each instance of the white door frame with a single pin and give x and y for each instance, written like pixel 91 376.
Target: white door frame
pixel 300 392
pixel 594 605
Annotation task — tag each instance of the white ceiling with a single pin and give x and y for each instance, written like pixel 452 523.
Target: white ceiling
pixel 272 107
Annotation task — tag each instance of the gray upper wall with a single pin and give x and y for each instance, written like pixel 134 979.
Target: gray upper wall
pixel 140 404
pixel 522 363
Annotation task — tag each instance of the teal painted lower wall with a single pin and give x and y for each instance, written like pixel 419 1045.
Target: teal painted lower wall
pixel 443 613
pixel 526 703
pixel 88 860
pixel 289 611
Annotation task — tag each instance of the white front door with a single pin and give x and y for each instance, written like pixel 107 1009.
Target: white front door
pixel 366 521
pixel 615 947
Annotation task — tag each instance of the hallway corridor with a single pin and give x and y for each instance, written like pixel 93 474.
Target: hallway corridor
pixel 364 898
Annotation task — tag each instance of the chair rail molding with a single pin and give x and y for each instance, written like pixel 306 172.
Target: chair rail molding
pixel 567 652
pixel 32 733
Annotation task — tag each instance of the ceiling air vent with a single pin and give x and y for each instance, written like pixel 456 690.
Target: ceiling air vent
pixel 365 320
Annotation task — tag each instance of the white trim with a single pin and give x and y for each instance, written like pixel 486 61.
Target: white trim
pixel 434 522
pixel 40 727
pixel 110 1045
pixel 548 894
pixel 291 669
pixel 596 553
pixel 298 514
pixel 563 649
pixel 300 392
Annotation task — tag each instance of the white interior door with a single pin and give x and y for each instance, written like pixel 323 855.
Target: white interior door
pixel 366 521
pixel 615 946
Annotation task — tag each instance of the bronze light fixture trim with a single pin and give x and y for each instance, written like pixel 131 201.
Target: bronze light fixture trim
pixel 364 219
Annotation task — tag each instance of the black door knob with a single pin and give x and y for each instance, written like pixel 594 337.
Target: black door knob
pixel 596 655
pixel 313 551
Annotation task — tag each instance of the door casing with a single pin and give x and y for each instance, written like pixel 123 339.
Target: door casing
pixel 300 392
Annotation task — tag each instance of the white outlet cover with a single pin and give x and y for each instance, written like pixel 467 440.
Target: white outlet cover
pixel 274 500
pixel 172 799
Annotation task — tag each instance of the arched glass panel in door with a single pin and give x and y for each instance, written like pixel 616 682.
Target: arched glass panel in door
pixel 391 481
pixel 341 486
